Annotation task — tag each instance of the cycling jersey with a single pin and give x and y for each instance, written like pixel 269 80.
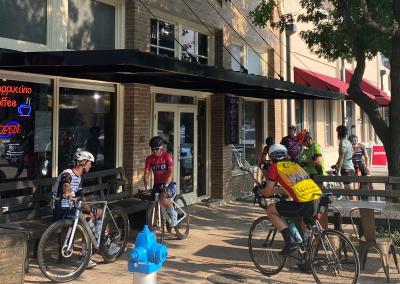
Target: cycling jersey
pixel 358 154
pixel 67 176
pixel 159 166
pixel 296 182
pixel 307 155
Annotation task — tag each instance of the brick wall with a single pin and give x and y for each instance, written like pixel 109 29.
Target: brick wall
pixel 137 114
pixel 137 26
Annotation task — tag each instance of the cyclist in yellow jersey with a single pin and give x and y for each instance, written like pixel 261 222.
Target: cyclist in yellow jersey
pixel 296 184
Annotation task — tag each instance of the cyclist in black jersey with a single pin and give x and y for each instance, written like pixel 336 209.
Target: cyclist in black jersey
pixel 360 157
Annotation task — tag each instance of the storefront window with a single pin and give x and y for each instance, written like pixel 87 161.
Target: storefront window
pixel 31 16
pixel 25 130
pixel 87 121
pixel 250 135
pixel 91 25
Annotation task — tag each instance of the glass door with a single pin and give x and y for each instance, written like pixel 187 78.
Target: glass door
pixel 176 125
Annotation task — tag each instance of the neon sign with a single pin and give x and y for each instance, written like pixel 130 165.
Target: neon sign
pixel 24 110
pixel 15 90
pixel 6 102
pixel 9 129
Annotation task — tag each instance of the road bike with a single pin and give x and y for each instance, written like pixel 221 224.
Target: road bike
pixel 158 219
pixel 328 253
pixel 66 246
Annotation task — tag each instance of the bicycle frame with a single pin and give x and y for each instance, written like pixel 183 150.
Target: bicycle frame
pixel 162 210
pixel 80 216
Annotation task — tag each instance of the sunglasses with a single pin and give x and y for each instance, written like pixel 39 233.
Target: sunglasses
pixel 156 149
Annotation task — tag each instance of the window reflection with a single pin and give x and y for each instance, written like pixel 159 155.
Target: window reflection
pixel 87 121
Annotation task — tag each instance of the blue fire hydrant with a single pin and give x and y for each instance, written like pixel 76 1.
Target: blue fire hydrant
pixel 147 257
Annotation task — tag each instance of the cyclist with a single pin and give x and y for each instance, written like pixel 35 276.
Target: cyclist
pixel 291 145
pixel 68 184
pixel 297 185
pixel 360 156
pixel 162 166
pixel 264 161
pixel 311 157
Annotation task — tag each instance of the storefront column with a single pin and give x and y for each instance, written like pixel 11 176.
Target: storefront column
pixel 137 132
pixel 221 154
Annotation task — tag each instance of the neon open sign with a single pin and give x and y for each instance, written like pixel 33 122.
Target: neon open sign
pixel 9 129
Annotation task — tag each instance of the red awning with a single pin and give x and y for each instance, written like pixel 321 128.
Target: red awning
pixel 380 96
pixel 324 82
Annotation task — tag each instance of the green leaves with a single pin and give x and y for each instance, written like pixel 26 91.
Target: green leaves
pixel 331 36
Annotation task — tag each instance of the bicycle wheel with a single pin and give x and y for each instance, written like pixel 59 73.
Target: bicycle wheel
pixel 60 265
pixel 334 259
pixel 155 221
pixel 265 243
pixel 182 229
pixel 114 234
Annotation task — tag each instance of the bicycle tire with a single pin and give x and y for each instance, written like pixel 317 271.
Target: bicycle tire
pixel 157 227
pixel 339 254
pixel 182 229
pixel 114 233
pixel 54 236
pixel 261 243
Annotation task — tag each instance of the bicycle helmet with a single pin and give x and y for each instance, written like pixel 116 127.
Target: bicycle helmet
pixel 277 152
pixel 81 156
pixel 302 135
pixel 353 139
pixel 342 131
pixel 156 142
pixel 270 141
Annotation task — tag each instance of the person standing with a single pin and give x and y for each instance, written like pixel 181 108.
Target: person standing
pixel 291 144
pixel 344 164
pixel 311 157
pixel 162 166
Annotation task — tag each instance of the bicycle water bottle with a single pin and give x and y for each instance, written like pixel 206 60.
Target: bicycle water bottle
pixel 295 233
pixel 91 225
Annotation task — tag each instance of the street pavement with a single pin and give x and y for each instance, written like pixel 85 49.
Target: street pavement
pixel 215 252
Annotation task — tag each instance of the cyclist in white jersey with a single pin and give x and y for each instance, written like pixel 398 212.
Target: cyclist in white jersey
pixel 68 184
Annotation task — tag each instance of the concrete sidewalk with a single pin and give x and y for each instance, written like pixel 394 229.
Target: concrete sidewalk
pixel 215 252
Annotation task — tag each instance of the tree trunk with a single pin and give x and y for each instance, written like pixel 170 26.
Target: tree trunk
pixel 392 146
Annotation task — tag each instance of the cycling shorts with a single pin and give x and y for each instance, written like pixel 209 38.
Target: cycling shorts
pixel 170 190
pixel 67 213
pixel 361 167
pixel 307 210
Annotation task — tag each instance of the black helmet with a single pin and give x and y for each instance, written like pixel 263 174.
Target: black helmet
pixel 270 141
pixel 353 138
pixel 342 131
pixel 156 142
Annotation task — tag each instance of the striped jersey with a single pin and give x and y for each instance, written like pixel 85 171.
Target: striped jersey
pixel 67 176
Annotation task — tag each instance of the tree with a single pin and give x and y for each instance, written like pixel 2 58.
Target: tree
pixel 354 30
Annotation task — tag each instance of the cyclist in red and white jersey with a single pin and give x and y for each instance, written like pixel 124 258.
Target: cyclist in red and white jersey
pixel 162 166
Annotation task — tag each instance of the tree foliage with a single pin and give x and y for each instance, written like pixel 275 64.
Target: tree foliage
pixel 330 36
pixel 354 30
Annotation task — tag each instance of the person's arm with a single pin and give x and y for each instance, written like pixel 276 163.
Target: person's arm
pixel 146 177
pixel 268 190
pixel 170 169
pixel 340 159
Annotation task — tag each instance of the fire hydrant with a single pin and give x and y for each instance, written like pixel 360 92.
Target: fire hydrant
pixel 146 258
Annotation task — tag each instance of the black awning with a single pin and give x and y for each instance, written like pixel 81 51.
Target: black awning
pixel 134 66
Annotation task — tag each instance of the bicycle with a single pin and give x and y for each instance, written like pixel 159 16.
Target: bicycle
pixel 66 246
pixel 158 219
pixel 328 253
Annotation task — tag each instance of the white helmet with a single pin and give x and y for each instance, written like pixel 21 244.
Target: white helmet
pixel 277 152
pixel 81 156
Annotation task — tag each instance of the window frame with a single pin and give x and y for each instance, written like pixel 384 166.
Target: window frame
pixel 182 23
pixel 196 43
pixel 328 119
pixel 157 46
pixel 57 28
pixel 263 114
